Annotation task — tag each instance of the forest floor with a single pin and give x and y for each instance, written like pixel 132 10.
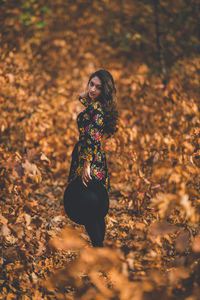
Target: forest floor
pixel 152 241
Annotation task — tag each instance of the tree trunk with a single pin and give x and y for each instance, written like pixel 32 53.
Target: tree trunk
pixel 160 47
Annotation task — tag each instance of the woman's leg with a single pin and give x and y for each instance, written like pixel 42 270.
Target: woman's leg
pixel 96 231
pixel 96 226
pixel 103 227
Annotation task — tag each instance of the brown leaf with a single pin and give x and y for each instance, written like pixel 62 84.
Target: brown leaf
pixel 67 239
pixel 182 240
pixel 32 171
pixel 3 220
pixel 43 157
pixel 140 226
pixel 196 244
pixel 5 231
pixel 161 228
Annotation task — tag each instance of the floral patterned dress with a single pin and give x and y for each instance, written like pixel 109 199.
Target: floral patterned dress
pixel 91 129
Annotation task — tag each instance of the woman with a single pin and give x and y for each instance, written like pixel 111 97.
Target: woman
pixel 86 199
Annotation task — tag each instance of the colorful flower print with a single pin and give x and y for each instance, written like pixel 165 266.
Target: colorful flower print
pixel 91 129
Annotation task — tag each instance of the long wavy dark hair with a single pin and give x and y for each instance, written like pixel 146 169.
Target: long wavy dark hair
pixel 108 101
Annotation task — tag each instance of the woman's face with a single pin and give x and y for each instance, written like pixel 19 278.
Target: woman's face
pixel 95 87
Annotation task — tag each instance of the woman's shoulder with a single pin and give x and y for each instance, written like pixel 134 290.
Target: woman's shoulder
pixel 84 100
pixel 96 105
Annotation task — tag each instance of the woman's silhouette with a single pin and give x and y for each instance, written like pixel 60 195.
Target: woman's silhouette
pixel 86 198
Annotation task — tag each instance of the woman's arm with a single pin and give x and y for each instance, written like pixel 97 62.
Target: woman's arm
pixel 84 98
pixel 93 131
pixel 93 136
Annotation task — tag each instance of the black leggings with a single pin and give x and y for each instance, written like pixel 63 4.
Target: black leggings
pixel 88 206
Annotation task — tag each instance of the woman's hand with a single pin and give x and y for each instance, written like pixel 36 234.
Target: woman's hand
pixel 84 94
pixel 86 172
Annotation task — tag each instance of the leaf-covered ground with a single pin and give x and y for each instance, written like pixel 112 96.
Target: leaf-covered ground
pixel 152 241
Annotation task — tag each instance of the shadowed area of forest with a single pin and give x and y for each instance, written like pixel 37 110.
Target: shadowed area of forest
pixel 48 49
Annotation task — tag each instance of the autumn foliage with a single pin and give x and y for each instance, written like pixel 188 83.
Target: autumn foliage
pixel 152 244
